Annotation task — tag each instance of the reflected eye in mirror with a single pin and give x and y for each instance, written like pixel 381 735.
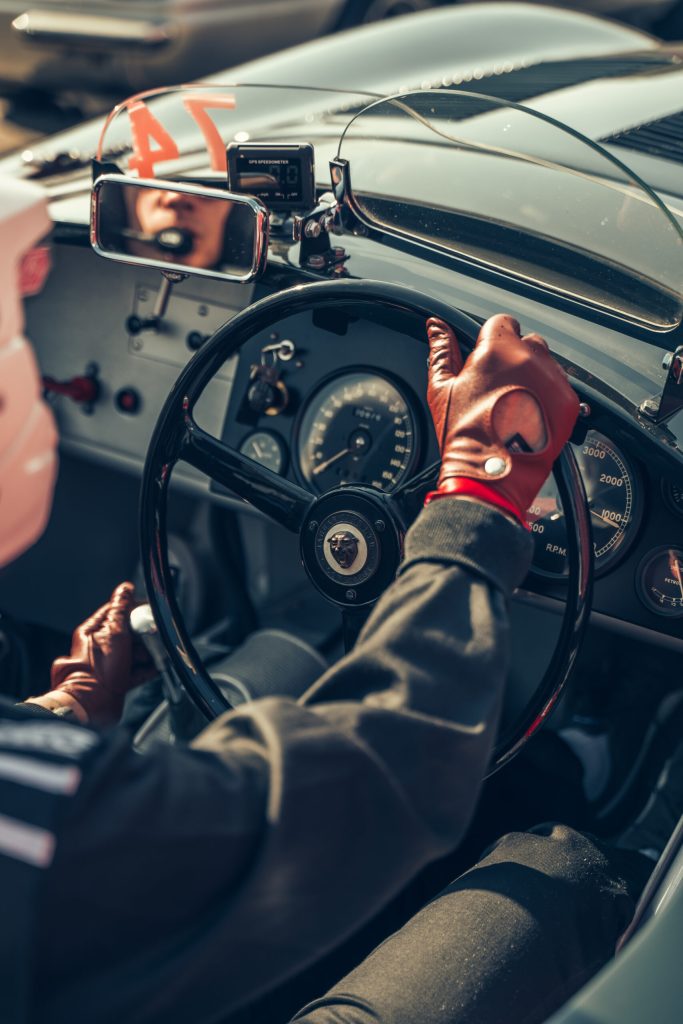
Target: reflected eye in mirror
pixel 181 227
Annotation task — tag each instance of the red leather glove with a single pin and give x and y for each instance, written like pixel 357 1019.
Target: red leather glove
pixel 503 417
pixel 105 663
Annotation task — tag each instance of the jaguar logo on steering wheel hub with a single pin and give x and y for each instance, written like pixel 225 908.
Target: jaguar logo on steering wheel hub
pixel 344 547
pixel 347 548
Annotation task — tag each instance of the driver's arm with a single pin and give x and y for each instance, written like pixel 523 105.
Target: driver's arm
pixel 211 873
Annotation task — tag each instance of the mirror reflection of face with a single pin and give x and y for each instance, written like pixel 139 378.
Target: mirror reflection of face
pixel 152 210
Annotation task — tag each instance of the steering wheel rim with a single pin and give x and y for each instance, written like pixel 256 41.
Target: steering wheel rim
pixel 177 438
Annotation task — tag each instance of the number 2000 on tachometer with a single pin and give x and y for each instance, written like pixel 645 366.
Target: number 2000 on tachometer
pixel 613 501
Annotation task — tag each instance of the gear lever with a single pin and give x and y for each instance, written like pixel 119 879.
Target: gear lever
pixel 142 624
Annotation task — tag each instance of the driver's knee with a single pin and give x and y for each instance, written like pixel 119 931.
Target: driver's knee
pixel 572 883
pixel 511 939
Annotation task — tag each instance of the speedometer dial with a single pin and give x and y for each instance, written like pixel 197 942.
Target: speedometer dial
pixel 357 429
pixel 613 502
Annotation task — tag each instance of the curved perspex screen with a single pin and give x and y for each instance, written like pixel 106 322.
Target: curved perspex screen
pixel 509 189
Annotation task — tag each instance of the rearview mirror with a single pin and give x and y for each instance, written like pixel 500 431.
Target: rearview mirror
pixel 176 226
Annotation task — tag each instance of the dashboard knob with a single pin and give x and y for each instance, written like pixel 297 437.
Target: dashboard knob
pixel 84 390
pixel 128 400
pixel 195 340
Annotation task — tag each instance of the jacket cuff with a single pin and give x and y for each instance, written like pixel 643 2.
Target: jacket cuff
pixel 456 531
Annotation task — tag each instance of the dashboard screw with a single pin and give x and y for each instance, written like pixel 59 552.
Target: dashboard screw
pixel 312 526
pixel 380 525
pixel 584 409
pixel 350 595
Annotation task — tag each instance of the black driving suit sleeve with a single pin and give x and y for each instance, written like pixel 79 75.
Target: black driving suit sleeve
pixel 186 882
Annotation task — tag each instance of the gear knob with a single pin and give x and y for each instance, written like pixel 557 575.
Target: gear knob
pixel 142 624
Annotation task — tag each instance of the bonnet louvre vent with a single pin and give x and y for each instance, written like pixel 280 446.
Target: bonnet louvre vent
pixel 520 84
pixel 524 83
pixel 662 138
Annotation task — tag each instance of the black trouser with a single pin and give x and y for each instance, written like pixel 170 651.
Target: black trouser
pixel 509 941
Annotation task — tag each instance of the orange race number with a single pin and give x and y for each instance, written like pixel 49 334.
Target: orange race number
pixel 145 129
pixel 152 144
pixel 196 106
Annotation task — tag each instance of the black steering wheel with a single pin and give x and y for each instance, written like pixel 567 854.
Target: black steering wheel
pixel 377 520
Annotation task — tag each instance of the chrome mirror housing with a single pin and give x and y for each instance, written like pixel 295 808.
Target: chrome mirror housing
pixel 179 227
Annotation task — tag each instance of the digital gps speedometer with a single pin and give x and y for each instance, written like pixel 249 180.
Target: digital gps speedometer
pixel 282 176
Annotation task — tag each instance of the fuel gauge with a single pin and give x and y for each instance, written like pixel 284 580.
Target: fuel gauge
pixel 660 581
pixel 265 448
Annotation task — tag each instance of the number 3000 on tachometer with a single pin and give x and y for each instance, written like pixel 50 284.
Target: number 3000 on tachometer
pixel 614 504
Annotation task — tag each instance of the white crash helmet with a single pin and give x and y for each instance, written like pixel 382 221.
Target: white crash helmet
pixel 28 436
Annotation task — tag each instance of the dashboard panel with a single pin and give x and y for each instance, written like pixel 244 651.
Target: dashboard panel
pixel 386 420
pixel 352 412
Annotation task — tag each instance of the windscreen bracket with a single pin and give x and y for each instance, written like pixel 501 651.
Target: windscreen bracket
pixel 312 230
pixel 661 407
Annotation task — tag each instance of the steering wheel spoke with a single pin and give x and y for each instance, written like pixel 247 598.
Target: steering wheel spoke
pixel 409 498
pixel 276 497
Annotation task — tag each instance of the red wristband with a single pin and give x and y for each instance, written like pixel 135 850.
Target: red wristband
pixel 466 487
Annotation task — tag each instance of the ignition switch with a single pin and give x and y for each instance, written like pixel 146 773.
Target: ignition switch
pixel 267 394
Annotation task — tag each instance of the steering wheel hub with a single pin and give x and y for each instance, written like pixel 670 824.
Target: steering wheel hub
pixel 351 545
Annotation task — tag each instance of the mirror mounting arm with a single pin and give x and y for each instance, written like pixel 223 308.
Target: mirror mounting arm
pixel 136 324
pixel 661 407
pixel 312 230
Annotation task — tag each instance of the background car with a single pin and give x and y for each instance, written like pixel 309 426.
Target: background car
pixel 130 46
pixel 126 47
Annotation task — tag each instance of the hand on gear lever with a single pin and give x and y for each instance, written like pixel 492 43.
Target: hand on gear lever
pixel 104 664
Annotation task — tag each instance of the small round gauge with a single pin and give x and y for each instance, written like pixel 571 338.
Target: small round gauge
pixel 660 581
pixel 612 501
pixel 673 496
pixel 357 429
pixel 265 448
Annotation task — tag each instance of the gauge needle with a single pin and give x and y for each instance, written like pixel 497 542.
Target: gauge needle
pixel 257 450
pixel 605 520
pixel 676 570
pixel 328 462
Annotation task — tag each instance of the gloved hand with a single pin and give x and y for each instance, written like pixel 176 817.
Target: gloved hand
pixel 105 663
pixel 503 417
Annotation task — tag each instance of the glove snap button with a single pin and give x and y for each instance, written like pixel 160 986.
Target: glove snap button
pixel 495 466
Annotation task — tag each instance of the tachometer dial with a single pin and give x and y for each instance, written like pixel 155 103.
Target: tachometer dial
pixel 265 448
pixel 660 581
pixel 673 496
pixel 357 429
pixel 612 501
